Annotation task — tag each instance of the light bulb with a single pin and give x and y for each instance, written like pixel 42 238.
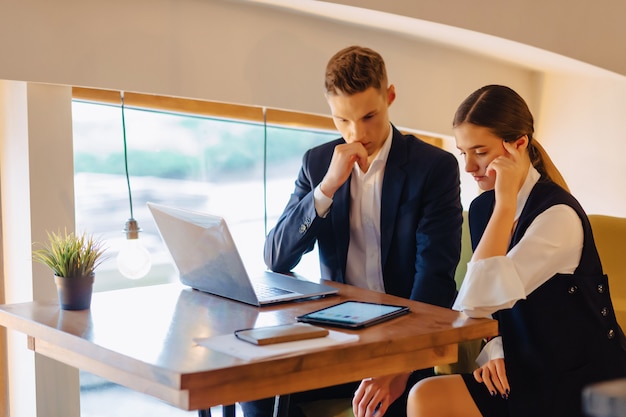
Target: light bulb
pixel 133 260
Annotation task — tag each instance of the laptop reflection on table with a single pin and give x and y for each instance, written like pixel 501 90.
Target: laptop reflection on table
pixel 208 260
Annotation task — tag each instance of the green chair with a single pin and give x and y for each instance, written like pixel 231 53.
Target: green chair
pixel 468 351
pixel 609 233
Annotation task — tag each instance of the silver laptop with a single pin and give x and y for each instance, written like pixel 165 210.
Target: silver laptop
pixel 208 260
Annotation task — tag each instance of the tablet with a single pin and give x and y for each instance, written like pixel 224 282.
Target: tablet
pixel 354 314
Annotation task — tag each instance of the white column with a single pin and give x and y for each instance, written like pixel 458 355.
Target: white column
pixel 36 177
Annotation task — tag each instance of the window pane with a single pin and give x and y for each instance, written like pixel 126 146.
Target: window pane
pixel 285 148
pixel 212 165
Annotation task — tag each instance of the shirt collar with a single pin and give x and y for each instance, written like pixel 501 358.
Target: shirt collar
pixel 522 196
pixel 383 153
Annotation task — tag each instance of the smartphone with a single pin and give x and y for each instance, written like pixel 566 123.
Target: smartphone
pixel 280 334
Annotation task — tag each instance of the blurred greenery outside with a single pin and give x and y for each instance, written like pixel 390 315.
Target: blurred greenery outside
pixel 242 171
pixel 232 156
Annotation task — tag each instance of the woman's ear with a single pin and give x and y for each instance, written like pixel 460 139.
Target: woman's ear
pixel 521 143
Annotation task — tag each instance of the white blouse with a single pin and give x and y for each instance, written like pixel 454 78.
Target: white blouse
pixel 552 244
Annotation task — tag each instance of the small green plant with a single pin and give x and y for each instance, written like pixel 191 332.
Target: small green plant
pixel 70 255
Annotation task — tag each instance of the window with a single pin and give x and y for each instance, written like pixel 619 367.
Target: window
pixel 241 169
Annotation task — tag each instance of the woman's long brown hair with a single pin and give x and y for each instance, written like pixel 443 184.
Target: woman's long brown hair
pixel 504 112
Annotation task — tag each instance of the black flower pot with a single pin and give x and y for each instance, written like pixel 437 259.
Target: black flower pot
pixel 75 293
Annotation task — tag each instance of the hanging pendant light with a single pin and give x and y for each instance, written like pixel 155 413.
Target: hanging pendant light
pixel 133 259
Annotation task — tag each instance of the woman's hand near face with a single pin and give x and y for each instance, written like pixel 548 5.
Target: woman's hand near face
pixel 510 170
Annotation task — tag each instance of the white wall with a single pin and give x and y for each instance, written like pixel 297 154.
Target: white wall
pixel 251 53
pixel 244 52
pixel 588 31
pixel 36 176
pixel 583 126
pixel 229 51
pixel 16 240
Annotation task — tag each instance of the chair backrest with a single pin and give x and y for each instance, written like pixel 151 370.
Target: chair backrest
pixel 466 252
pixel 609 233
pixel 468 351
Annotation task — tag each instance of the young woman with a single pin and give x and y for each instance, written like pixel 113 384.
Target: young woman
pixel 535 269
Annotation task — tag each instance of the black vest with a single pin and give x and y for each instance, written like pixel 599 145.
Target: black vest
pixel 564 335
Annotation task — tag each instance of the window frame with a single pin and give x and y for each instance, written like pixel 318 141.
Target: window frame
pixel 216 109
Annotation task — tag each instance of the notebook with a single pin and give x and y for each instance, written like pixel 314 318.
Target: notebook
pixel 208 260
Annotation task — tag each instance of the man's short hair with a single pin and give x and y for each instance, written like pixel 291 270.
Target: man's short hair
pixel 353 70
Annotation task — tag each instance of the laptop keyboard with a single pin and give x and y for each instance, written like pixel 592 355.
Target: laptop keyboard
pixel 264 291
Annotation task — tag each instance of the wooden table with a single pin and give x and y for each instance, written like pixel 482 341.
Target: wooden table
pixel 142 338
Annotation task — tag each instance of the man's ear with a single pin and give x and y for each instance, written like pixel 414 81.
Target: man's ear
pixel 391 94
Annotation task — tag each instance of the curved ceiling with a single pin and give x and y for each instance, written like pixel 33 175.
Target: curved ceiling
pixel 401 17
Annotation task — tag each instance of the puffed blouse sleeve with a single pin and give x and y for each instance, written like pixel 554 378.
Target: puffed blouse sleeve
pixel 552 244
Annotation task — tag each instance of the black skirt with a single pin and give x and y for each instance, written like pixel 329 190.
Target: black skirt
pixel 488 405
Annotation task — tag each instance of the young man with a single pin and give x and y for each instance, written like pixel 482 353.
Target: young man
pixel 384 209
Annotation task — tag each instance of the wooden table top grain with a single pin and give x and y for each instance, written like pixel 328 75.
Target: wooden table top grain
pixel 143 338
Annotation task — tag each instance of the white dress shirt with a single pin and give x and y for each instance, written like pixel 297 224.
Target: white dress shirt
pixel 363 267
pixel 552 244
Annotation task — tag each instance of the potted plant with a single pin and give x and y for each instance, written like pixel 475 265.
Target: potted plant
pixel 73 259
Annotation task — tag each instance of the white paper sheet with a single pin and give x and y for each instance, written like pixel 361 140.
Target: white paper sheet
pixel 229 344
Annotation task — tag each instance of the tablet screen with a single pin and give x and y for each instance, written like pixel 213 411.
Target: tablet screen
pixel 354 314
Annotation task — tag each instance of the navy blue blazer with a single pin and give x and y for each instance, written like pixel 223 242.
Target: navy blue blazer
pixel 421 217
